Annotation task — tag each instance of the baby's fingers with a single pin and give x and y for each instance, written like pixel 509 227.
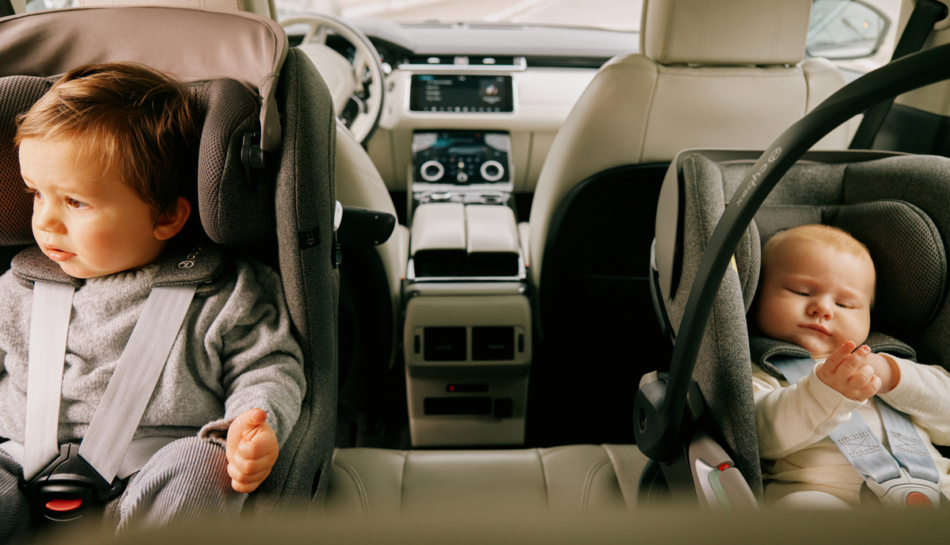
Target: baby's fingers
pixel 249 466
pixel 869 390
pixel 834 361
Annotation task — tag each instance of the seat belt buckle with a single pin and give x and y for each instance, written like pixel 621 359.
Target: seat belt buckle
pixel 907 492
pixel 68 489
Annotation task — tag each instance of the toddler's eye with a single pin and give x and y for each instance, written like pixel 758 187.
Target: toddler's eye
pixel 843 305
pixel 30 191
pixel 76 204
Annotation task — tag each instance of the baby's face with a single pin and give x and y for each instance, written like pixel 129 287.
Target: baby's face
pixel 816 296
pixel 88 221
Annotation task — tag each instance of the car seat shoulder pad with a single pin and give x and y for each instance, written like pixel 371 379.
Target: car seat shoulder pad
pixel 182 263
pixel 764 350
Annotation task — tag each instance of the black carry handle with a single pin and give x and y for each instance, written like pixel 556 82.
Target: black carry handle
pixel 658 412
pixel 926 13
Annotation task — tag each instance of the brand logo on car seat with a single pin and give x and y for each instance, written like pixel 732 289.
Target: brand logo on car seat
pixel 189 261
pixel 776 153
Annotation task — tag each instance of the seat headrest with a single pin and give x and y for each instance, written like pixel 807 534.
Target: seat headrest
pixel 264 8
pixel 725 32
pixel 233 210
pixel 192 45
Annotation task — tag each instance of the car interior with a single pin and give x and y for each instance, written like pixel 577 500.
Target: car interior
pixel 495 239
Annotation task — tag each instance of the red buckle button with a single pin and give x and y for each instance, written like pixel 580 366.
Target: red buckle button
pixel 62 506
pixel 918 499
pixel 724 466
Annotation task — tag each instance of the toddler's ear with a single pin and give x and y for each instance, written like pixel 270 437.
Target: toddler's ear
pixel 168 225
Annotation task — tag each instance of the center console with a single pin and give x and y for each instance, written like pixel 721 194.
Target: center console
pixel 467 331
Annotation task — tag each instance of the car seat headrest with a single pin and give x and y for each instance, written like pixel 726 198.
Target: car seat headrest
pixel 233 209
pixel 192 45
pixel 905 245
pixel 724 32
pixel 849 190
pixel 264 8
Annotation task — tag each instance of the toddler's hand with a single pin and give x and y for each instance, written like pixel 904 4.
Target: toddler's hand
pixel 849 373
pixel 251 451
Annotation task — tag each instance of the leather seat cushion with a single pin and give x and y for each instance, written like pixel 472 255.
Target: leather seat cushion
pixel 559 480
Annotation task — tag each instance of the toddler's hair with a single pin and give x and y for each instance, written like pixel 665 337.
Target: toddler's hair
pixel 838 239
pixel 137 122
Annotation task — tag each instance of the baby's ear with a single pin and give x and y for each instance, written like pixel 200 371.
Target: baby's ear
pixel 169 224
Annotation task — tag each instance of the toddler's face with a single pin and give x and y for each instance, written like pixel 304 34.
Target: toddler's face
pixel 816 296
pixel 86 220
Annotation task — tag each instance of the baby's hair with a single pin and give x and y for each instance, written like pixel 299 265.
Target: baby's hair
pixel 136 121
pixel 838 239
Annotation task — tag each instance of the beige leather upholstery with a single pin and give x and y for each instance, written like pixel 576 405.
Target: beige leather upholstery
pixel 640 109
pixel 359 184
pixel 264 8
pixel 728 33
pixel 560 480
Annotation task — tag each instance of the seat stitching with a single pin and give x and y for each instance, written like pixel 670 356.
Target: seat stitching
pixel 364 502
pixel 585 495
pixel 544 477
pixel 402 479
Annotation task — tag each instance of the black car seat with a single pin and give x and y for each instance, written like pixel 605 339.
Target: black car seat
pixel 898 206
pixel 709 73
pixel 265 177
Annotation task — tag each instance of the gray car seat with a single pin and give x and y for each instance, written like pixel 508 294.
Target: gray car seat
pixel 899 206
pixel 268 193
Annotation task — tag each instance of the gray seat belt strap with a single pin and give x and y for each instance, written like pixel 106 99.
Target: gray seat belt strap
pixel 130 389
pixel 863 449
pixel 49 321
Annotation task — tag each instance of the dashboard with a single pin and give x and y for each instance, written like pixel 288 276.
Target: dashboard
pixel 477 104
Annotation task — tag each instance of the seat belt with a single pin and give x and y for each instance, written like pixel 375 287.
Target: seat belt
pixel 49 467
pixel 904 477
pixel 926 13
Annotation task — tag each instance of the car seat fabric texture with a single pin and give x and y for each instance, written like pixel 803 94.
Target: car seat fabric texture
pixel 898 206
pixel 292 201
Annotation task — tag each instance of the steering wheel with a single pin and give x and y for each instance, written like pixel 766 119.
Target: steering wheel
pixel 357 86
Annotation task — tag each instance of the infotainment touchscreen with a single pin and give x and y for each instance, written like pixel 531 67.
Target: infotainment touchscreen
pixel 461 93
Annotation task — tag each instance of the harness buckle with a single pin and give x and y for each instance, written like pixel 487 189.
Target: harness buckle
pixel 906 492
pixel 68 489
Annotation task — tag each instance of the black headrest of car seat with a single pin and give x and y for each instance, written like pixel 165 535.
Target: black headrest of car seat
pixel 233 208
pixel 905 245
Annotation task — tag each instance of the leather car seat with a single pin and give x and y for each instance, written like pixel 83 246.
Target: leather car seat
pixel 563 481
pixel 710 73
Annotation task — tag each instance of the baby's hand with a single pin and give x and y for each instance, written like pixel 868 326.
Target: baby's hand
pixel 251 451
pixel 850 373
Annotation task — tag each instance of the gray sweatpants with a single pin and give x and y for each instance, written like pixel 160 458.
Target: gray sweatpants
pixel 186 480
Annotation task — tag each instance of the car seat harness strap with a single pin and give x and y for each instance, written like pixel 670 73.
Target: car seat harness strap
pixel 905 476
pixel 62 481
pixel 49 321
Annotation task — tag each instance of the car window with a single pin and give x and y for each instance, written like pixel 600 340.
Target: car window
pixel 846 31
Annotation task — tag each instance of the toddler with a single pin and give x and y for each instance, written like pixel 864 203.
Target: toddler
pixel 101 154
pixel 817 291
